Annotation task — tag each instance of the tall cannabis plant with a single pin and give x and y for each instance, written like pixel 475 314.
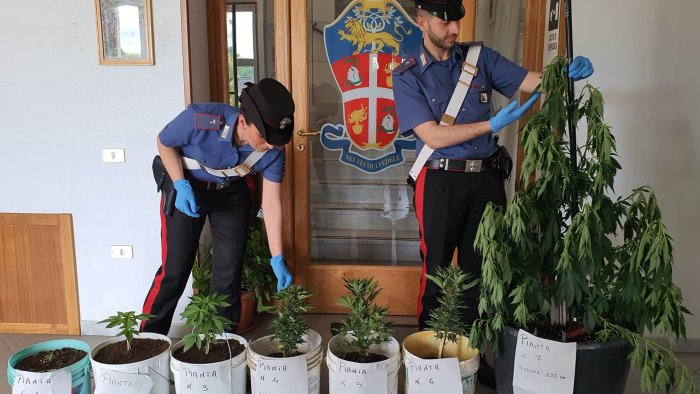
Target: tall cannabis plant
pixel 364 326
pixel 607 261
pixel 289 327
pixel 446 319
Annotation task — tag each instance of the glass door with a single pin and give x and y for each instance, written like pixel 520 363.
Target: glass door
pixel 353 210
pixel 357 218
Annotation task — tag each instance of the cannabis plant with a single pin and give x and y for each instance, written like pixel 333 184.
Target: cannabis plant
pixel 257 272
pixel 565 240
pixel 202 316
pixel 202 270
pixel 364 326
pixel 289 326
pixel 126 321
pixel 446 319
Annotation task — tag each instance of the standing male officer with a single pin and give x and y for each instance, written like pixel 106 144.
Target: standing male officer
pixel 207 150
pixel 460 177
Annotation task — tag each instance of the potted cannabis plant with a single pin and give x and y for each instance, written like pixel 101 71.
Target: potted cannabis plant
pixel 208 358
pixel 446 334
pixel 291 337
pixel 364 337
pixel 63 362
pixel 257 278
pixel 565 244
pixel 134 353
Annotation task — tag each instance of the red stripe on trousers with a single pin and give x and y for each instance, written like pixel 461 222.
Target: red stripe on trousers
pixel 418 201
pixel 155 289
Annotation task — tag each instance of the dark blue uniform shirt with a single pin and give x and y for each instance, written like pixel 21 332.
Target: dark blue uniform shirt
pixel 199 133
pixel 422 92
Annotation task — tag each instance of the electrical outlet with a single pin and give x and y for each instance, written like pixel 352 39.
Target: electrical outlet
pixel 122 252
pixel 113 155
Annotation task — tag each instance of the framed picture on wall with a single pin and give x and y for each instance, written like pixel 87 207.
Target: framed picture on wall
pixel 124 32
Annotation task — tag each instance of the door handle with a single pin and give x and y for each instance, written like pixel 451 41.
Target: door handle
pixel 302 133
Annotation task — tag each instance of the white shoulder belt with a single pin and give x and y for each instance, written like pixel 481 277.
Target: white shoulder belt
pixel 469 71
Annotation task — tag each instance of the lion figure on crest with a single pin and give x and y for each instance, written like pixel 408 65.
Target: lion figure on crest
pixel 361 38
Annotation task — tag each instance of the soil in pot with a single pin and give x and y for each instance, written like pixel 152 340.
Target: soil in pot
pixel 141 349
pixel 356 357
pixel 50 360
pixel 217 352
pixel 280 355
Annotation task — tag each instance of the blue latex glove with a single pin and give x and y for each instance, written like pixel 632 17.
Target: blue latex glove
pixel 284 278
pixel 184 199
pixel 511 113
pixel 580 68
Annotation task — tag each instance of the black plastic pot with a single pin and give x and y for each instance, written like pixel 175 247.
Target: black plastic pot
pixel 600 367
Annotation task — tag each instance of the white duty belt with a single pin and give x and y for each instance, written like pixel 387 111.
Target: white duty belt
pixel 240 170
pixel 469 71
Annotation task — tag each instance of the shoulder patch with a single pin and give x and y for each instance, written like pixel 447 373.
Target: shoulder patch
pixel 405 65
pixel 207 121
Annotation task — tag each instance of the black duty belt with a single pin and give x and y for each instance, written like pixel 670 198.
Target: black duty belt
pixel 460 165
pixel 202 185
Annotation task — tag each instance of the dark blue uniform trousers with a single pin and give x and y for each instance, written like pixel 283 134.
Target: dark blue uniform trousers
pixel 228 210
pixel 449 206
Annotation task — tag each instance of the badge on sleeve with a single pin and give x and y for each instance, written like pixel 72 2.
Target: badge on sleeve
pixel 225 134
pixel 207 121
pixel 484 96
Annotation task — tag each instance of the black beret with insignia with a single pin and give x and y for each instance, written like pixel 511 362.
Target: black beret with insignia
pixel 269 105
pixel 449 10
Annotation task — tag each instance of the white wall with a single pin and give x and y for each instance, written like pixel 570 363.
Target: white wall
pixel 59 108
pixel 648 67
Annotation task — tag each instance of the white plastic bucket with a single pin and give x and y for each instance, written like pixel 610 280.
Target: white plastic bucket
pixel 424 344
pixel 311 347
pixel 234 369
pixel 155 368
pixel 391 365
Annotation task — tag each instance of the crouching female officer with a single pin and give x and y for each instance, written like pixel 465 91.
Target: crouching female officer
pixel 207 150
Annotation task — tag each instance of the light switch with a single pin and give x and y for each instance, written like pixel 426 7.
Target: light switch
pixel 113 155
pixel 122 252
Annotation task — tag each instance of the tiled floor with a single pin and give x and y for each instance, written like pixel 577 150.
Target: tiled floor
pixel 11 343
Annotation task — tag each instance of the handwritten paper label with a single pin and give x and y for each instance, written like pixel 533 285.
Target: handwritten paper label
pixel 41 382
pixel 433 376
pixel 283 375
pixel 205 378
pixel 354 378
pixel 114 382
pixel 543 366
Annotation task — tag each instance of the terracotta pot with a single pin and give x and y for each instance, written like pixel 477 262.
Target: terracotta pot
pixel 245 323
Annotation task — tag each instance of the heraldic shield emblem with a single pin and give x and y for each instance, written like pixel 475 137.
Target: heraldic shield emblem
pixel 364 44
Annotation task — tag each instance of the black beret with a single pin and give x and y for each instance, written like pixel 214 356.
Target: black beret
pixel 449 10
pixel 269 105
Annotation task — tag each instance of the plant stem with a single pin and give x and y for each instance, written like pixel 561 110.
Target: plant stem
pixel 442 344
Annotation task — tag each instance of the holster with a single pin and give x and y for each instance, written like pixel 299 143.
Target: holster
pixel 411 183
pixel 164 185
pixel 502 162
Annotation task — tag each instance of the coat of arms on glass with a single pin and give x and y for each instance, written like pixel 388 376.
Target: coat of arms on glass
pixel 363 45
